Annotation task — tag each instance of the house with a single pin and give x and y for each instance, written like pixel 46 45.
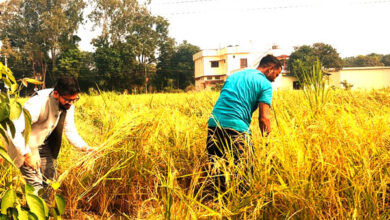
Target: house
pixel 354 77
pixel 375 77
pixel 212 67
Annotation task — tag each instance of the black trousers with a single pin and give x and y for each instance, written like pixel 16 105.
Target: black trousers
pixel 225 143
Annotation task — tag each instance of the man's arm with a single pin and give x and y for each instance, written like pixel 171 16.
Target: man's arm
pixel 264 120
pixel 71 132
pixel 33 106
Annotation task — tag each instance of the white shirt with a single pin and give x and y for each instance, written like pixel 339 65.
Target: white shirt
pixel 45 114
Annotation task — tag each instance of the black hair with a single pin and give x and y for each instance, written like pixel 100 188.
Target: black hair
pixel 67 85
pixel 268 60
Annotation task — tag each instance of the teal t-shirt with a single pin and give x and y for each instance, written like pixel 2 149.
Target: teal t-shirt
pixel 239 98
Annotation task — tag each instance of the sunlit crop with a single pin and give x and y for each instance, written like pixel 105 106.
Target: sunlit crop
pixel 150 160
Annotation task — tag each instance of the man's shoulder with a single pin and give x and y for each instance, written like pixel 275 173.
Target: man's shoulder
pixel 249 70
pixel 44 92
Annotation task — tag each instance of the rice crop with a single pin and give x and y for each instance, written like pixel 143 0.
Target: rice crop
pixel 150 160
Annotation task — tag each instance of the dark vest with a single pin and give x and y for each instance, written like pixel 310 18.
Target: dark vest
pixel 53 142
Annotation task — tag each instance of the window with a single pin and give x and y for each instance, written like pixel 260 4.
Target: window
pixel 217 77
pixel 209 78
pixel 214 64
pixel 243 63
pixel 296 85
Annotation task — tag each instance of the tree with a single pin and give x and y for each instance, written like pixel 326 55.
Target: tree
pixel 175 67
pixel 182 65
pixel 386 60
pixel 132 37
pixel 87 71
pixel 163 75
pixel 108 63
pixel 70 62
pixel 362 61
pixel 36 27
pixel 325 53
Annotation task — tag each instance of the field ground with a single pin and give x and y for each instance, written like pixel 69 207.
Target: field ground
pixel 325 161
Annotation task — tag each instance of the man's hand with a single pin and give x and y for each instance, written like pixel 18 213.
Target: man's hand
pixel 265 127
pixel 33 161
pixel 87 149
pixel 264 122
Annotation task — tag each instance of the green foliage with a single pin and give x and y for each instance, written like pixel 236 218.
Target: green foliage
pixel 8 108
pixel 134 51
pixel 8 201
pixel 313 83
pixel 126 51
pixel 60 204
pixel 37 206
pixel 70 62
pixel 217 87
pixel 37 28
pixel 176 67
pixel 182 65
pixel 11 207
pixel 386 60
pixel 308 55
pixel 4 155
pixel 11 201
pixel 372 59
pixel 346 85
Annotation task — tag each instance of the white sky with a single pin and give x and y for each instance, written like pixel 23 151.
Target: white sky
pixel 353 27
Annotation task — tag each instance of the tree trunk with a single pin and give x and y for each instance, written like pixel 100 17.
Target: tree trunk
pixel 43 69
pixel 53 59
pixel 33 65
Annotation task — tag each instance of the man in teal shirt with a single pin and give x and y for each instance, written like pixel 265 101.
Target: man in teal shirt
pixel 242 93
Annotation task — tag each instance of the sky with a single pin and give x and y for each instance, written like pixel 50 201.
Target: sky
pixel 352 27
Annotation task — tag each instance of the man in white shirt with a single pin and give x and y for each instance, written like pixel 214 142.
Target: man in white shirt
pixel 52 113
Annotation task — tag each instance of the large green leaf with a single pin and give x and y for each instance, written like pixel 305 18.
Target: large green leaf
pixel 14 213
pixel 4 111
pixel 60 204
pixel 3 133
pixel 11 127
pixel 36 206
pixel 27 125
pixel 8 73
pixel 7 82
pixel 14 87
pixel 4 154
pixel 32 81
pixel 45 207
pixel 4 98
pixel 23 214
pixel 8 201
pixel 32 216
pixel 55 214
pixel 16 110
pixel 29 189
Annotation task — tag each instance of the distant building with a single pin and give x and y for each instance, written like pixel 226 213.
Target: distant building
pixel 376 77
pixel 212 67
pixel 357 77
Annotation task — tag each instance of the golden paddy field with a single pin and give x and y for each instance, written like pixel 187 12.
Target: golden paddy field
pixel 330 162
